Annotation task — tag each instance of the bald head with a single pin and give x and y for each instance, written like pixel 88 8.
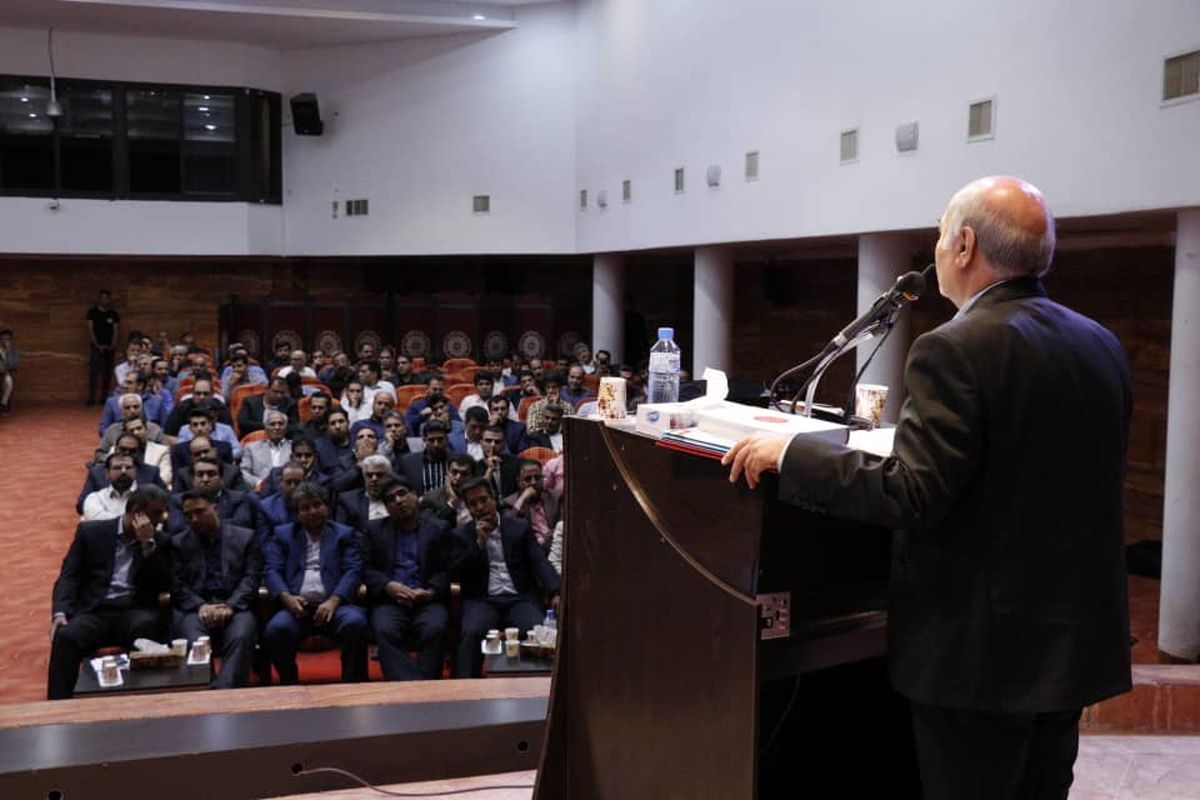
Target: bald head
pixel 993 228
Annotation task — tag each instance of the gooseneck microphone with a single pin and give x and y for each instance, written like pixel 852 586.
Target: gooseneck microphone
pixel 907 288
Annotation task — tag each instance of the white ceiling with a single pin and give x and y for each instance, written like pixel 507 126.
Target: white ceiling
pixel 282 24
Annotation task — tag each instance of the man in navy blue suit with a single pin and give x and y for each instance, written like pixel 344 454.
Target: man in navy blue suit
pixel 314 569
pixel 407 580
pixel 503 572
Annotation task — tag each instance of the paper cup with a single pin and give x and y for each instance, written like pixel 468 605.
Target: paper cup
pixel 869 400
pixel 610 401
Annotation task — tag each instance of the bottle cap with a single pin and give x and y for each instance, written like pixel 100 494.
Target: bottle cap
pixel 666 333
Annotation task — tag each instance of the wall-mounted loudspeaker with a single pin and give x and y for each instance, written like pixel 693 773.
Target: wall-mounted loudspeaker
pixel 306 117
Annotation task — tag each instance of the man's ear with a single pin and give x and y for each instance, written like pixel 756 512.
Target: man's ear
pixel 966 244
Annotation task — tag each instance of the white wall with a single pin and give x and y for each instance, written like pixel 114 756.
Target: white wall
pixel 697 82
pixel 420 126
pixel 28 225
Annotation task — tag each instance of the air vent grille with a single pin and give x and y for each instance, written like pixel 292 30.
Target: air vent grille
pixel 679 180
pixel 979 120
pixel 583 200
pixel 1181 76
pixel 752 165
pixel 357 208
pixel 626 191
pixel 481 203
pixel 849 146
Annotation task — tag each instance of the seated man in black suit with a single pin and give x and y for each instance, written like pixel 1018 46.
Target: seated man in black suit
pixel 202 447
pixel 499 467
pixel 349 473
pixel 314 569
pixel 426 470
pixel 107 590
pixel 240 508
pixel 335 443
pixel 358 506
pixel 405 570
pixel 549 434
pixel 503 572
pixel 215 571
pixel 319 406
pixel 304 453
pixel 445 502
pixel 253 416
pixel 533 503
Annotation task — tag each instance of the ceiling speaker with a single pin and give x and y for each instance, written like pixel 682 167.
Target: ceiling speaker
pixel 306 116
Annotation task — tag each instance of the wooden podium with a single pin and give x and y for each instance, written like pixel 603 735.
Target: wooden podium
pixel 695 614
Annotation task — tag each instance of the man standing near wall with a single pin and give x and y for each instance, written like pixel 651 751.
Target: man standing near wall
pixel 1009 608
pixel 103 323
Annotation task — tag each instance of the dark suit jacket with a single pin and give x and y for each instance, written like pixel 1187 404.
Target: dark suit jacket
pixel 537 439
pixel 250 418
pixel 509 468
pixel 97 478
pixel 329 454
pixel 414 420
pixel 526 561
pixel 239 508
pixel 276 512
pixel 231 478
pixel 181 454
pixel 1005 482
pixel 379 548
pixel 271 483
pixel 411 467
pixel 241 568
pixel 353 509
pixel 341 561
pixel 87 570
pixel 514 436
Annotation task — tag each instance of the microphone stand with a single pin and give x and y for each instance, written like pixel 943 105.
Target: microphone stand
pixel 883 326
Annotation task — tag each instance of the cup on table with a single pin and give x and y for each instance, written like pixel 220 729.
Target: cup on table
pixel 492 643
pixel 512 647
pixel 108 670
pixel 179 647
pixel 512 634
pixel 610 399
pixel 869 400
pixel 202 648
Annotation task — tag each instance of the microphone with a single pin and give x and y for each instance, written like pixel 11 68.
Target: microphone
pixel 907 288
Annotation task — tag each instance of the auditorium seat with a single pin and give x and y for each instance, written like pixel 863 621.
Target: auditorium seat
pixel 455 393
pixel 406 394
pixel 538 454
pixel 526 402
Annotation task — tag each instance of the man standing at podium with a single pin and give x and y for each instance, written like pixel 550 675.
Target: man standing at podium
pixel 1009 608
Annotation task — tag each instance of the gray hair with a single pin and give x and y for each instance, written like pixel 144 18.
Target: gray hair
pixel 310 490
pixel 375 460
pixel 276 414
pixel 135 396
pixel 1009 248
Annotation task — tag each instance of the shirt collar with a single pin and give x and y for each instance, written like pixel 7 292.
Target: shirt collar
pixel 973 299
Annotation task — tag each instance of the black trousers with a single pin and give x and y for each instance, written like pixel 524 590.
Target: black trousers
pixel 985 755
pixel 234 643
pixel 85 633
pixel 100 374
pixel 481 614
pixel 396 625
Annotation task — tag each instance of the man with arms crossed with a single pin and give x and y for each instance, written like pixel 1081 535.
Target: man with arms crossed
pixel 1009 608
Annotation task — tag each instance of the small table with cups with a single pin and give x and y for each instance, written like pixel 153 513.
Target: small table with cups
pixel 185 676
pixel 512 657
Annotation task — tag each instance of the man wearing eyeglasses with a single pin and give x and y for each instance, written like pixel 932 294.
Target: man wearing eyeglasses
pixel 407 579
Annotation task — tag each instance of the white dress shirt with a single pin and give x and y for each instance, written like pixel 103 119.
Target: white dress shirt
pixel 106 503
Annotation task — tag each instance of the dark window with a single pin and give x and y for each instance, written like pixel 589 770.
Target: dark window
pixel 139 141
pixel 26 136
pixel 85 133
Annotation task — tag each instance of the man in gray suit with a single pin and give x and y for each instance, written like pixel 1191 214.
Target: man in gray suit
pixel 1009 607
pixel 259 458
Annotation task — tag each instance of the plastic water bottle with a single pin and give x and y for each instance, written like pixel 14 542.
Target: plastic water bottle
pixel 550 621
pixel 664 369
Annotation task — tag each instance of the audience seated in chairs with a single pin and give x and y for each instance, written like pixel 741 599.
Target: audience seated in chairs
pixel 216 569
pixel 147 452
pixel 406 572
pixel 314 569
pixel 373 384
pixel 403 373
pixel 394 442
pixel 10 358
pixel 297 363
pixel 503 572
pixel 229 475
pixel 352 401
pixel 239 507
pixel 313 412
pixel 440 409
pixel 107 591
pixel 97 478
pixel 131 408
pixel 134 384
pixel 253 414
pixel 555 381
pixel 348 474
pixel 304 453
pixel 445 502
pixel 484 382
pixel 532 503
pixel 261 456
pixel 426 470
pixel 109 502
pixel 381 405
pixel 527 386
pixel 575 392
pixel 202 393
pixel 356 507
pixel 218 431
pixel 200 423
pixel 419 411
pixel 240 372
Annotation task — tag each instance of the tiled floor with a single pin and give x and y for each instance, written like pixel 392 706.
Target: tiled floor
pixel 1137 768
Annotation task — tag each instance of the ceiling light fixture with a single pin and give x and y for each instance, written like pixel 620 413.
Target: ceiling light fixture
pixel 202 109
pixel 24 99
pixel 479 16
pixel 210 127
